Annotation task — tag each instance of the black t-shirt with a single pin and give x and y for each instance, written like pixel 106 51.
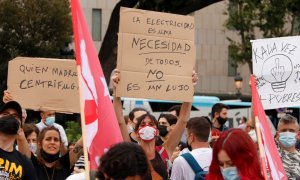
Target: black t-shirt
pixel 14 165
pixel 60 173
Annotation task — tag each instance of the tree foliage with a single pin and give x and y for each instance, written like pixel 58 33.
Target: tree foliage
pixel 255 18
pixel 73 131
pixel 108 51
pixel 34 28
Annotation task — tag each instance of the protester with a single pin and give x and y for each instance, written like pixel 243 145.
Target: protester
pixel 124 160
pixel 31 133
pixel 166 123
pixel 287 134
pixel 219 116
pixel 200 155
pixel 14 109
pixel 242 123
pixel 132 121
pixel 147 131
pixel 47 120
pixel 48 164
pixel 14 165
pixel 235 157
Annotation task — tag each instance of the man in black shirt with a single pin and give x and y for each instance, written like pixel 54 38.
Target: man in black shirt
pixel 13 164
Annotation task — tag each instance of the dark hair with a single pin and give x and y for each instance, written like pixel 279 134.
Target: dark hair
pixel 200 127
pixel 131 114
pixel 30 128
pixel 169 117
pixel 141 119
pixel 239 146
pixel 175 108
pixel 40 140
pixel 217 108
pixel 123 160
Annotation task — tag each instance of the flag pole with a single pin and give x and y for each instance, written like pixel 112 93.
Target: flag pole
pixel 83 129
pixel 261 148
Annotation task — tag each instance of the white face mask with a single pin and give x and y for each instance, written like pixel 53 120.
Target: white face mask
pixel 147 133
pixel 252 134
pixel 32 147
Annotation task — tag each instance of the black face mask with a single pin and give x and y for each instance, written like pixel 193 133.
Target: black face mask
pixel 9 125
pixel 162 130
pixel 49 157
pixel 221 120
pixel 188 146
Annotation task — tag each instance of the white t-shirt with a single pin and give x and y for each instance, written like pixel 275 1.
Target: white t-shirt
pixel 181 170
pixel 62 132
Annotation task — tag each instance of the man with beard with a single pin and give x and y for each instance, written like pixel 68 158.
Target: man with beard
pixel 13 164
pixel 219 116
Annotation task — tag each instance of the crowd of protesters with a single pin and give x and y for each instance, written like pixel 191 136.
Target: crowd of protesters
pixel 153 148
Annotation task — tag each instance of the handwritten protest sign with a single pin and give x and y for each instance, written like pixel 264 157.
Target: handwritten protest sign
pixel 276 64
pixel 156 55
pixel 44 84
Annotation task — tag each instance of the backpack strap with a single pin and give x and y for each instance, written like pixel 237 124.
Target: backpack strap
pixel 199 173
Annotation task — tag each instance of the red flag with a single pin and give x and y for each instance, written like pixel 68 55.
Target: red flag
pixel 271 153
pixel 102 129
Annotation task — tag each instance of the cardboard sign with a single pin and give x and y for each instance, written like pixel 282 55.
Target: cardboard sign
pixel 156 55
pixel 276 64
pixel 44 84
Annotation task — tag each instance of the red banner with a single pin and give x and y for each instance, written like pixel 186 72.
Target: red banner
pixel 102 129
pixel 271 153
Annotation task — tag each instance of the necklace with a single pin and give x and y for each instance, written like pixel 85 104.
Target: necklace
pixel 48 174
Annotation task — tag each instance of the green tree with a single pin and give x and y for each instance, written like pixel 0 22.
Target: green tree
pixel 34 28
pixel 73 131
pixel 254 18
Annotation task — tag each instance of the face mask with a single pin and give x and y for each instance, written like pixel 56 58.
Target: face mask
pixel 252 134
pixel 147 133
pixel 32 147
pixel 287 139
pixel 9 126
pixel 221 120
pixel 49 157
pixel 162 130
pixel 50 121
pixel 230 173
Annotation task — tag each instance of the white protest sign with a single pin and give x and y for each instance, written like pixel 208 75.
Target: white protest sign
pixel 276 65
pixel 44 84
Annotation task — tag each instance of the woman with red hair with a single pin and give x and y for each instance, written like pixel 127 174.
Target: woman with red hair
pixel 235 157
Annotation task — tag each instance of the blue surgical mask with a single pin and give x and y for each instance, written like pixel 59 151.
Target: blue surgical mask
pixel 230 173
pixel 50 121
pixel 287 139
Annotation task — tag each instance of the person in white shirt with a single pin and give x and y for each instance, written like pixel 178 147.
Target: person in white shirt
pixel 198 132
pixel 48 119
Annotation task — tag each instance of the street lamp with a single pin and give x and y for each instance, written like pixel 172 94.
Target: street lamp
pixel 238 82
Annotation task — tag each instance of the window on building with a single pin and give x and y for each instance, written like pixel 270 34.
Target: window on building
pixel 232 67
pixel 96 24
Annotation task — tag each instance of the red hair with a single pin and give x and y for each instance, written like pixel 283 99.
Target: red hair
pixel 242 152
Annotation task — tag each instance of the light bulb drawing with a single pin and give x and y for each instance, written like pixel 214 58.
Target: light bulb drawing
pixel 276 70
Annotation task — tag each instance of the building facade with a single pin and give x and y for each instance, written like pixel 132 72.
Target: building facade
pixel 213 65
